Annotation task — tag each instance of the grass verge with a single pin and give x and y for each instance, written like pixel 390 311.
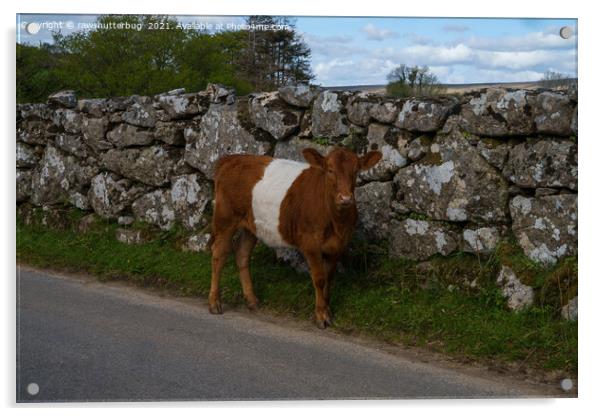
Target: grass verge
pixel 420 304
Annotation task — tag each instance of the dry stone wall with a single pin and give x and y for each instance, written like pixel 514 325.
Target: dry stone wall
pixel 457 174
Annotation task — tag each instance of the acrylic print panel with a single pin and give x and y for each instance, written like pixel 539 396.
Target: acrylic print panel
pixel 422 229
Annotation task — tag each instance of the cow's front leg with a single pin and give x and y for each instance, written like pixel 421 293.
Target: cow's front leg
pixel 330 263
pixel 319 278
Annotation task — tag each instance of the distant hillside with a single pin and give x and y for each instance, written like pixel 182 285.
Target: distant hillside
pixel 450 88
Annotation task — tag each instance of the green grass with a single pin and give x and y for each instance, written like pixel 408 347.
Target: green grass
pixel 393 301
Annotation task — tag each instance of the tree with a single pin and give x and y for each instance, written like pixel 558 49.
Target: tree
pixel 275 54
pixel 115 62
pixel 108 62
pixel 556 80
pixel 36 74
pixel 407 81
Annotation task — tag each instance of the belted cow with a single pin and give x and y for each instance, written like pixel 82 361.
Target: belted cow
pixel 285 203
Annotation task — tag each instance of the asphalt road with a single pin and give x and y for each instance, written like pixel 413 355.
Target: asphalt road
pixel 82 340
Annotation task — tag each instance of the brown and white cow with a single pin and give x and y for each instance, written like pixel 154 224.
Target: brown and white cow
pixel 286 203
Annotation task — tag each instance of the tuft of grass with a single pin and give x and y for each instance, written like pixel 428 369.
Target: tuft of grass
pixel 324 141
pixel 424 304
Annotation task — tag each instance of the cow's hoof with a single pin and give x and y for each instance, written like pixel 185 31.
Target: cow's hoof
pixel 324 321
pixel 216 308
pixel 323 324
pixel 252 302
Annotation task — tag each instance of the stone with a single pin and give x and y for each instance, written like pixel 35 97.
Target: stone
pixel 26 155
pixel 110 194
pixel 453 183
pixel 131 236
pixel 419 239
pixel 575 122
pixel 71 143
pixel 152 165
pixel 545 163
pixel 79 200
pixel 126 135
pixel 494 151
pixel 418 148
pixel 198 243
pixel 219 133
pixel 293 258
pixel 190 196
pixel 140 112
pixel 358 108
pixel 481 240
pixel 373 204
pixel 545 191
pixel 54 217
pixel 545 227
pixel 292 149
pixel 94 131
pixel 71 121
pixel 87 223
pixel 66 99
pixel 518 295
pixel 93 107
pixel 185 202
pixel 380 137
pixel 36 111
pixel 56 175
pixel 155 208
pixel 385 111
pixel 553 113
pixel 170 132
pixel 425 114
pixel 327 118
pixel 268 112
pixel 498 112
pixel 569 311
pixel 32 132
pixel 300 95
pixel 305 126
pixel 399 208
pixel 125 220
pixel 178 106
pixel 219 94
pixel 23 185
pixel 115 104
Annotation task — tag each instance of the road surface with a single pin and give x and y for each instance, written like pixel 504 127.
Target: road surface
pixel 82 340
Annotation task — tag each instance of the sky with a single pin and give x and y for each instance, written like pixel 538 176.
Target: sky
pixel 363 50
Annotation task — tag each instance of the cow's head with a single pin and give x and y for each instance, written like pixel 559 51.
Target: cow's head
pixel 341 167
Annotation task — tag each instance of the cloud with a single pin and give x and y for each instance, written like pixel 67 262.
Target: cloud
pixel 521 59
pixel 374 33
pixel 415 38
pixel 455 28
pixel 366 71
pixel 527 42
pixel 332 46
pixel 330 39
pixel 463 54
pixel 427 54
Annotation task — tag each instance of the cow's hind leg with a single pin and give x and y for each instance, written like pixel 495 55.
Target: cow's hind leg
pixel 244 247
pixel 221 247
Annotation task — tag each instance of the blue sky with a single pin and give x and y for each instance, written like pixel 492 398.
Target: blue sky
pixel 363 50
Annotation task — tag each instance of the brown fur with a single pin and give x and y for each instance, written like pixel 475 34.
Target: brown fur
pixel 318 216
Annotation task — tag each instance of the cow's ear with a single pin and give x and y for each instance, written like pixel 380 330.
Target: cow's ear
pixel 370 159
pixel 313 157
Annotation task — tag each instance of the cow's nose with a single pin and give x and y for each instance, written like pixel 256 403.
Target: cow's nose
pixel 344 199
